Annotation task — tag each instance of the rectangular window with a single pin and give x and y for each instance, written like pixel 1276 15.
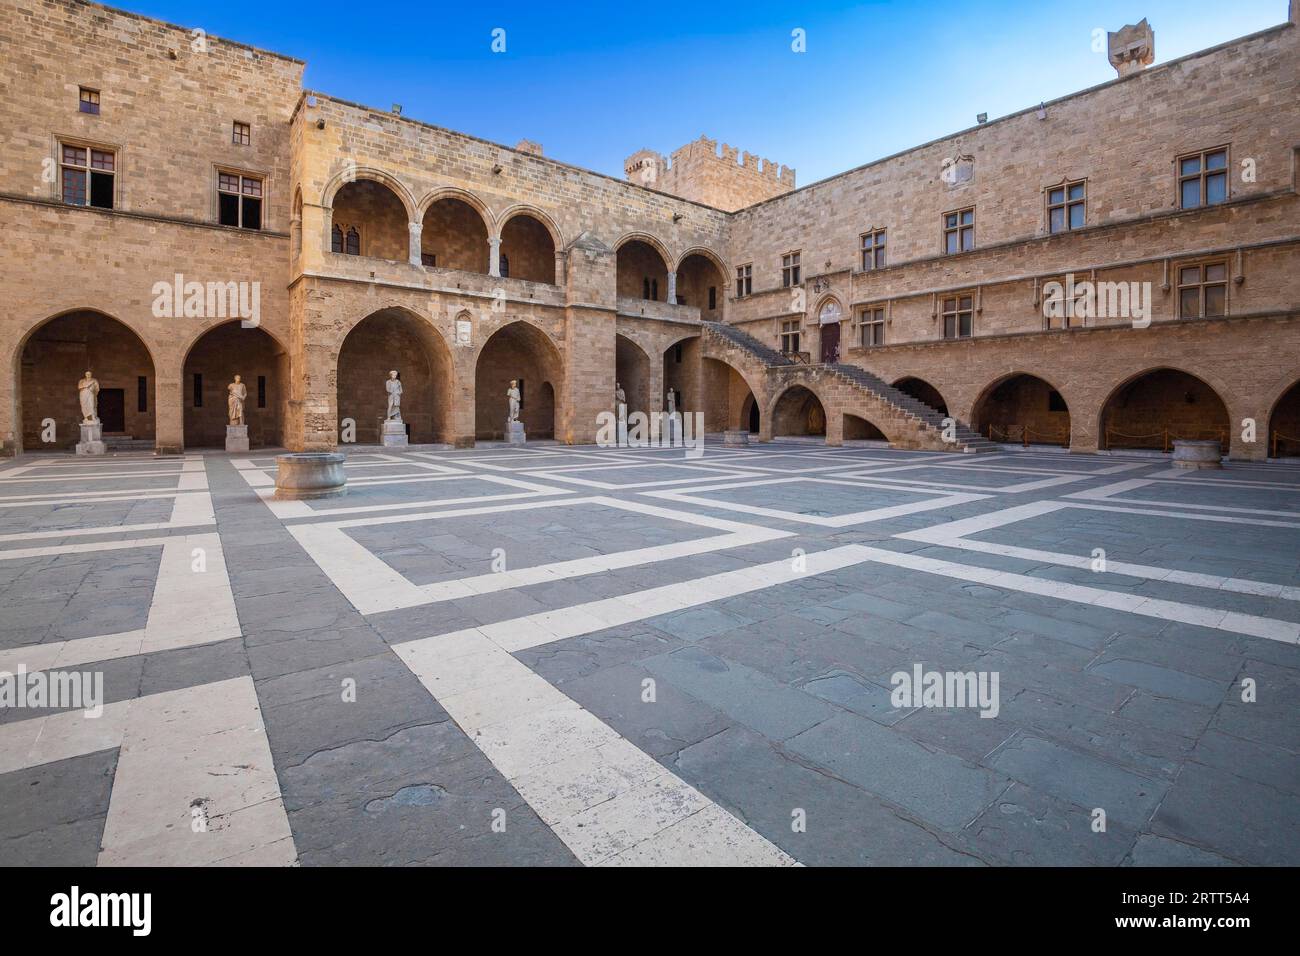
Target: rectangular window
pixel 1064 309
pixel 261 391
pixel 790 269
pixel 242 134
pixel 872 320
pixel 958 317
pixel 677 353
pixel 744 281
pixel 959 231
pixel 873 250
pixel 239 200
pixel 426 258
pixel 1203 178
pixel 1203 290
pixel 88 101
pixel 86 175
pixel 790 336
pixel 1066 205
pixel 713 297
pixel 141 394
pixel 198 389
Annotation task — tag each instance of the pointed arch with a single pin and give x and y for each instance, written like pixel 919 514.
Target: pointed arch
pixel 371 174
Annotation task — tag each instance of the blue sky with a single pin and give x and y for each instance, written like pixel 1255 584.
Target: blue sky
pixel 596 82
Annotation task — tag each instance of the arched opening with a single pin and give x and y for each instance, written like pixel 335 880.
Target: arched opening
pixel 1153 409
pixel 798 412
pixel 859 429
pixel 527 250
pixel 1023 408
pixel 681 368
pixel 213 362
pixel 642 271
pixel 525 354
pixel 454 236
pixel 701 283
pixel 828 331
pixel 923 392
pixel 632 372
pixel 1284 425
pixel 394 339
pixel 749 415
pixel 368 219
pixel 53 360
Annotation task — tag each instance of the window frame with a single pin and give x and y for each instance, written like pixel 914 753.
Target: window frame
pixel 791 268
pixel 241 175
pixel 956 313
pixel 62 145
pixel 744 280
pixel 83 101
pixel 1201 284
pixel 1065 205
pixel 879 314
pixel 873 255
pixel 241 133
pixel 790 329
pixel 957 229
pixel 1203 175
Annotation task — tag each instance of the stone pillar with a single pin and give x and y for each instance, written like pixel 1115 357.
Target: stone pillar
pixel 494 256
pixel 169 415
pixel 559 267
pixel 1237 448
pixel 314 229
pixel 417 230
pixel 461 427
pixel 672 288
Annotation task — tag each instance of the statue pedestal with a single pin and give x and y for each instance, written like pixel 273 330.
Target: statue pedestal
pixel 394 434
pixel 735 437
pixel 515 433
pixel 236 438
pixel 672 433
pixel 92 439
pixel 621 438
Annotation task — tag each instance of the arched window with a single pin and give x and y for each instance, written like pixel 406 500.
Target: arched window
pixel 645 288
pixel 505 266
pixel 654 289
pixel 353 245
pixel 336 239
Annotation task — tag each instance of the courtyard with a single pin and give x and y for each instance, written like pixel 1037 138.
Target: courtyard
pixel 557 655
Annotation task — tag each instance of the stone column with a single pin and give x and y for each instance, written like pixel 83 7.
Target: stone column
pixel 494 256
pixel 169 415
pixel 413 250
pixel 559 267
pixel 672 288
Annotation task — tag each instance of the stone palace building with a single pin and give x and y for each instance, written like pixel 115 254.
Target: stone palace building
pixel 1112 269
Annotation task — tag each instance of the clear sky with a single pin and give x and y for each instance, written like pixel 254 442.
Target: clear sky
pixel 596 82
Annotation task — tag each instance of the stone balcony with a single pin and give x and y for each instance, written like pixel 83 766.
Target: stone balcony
pixel 634 307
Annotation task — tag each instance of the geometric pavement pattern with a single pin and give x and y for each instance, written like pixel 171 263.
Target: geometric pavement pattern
pixel 561 655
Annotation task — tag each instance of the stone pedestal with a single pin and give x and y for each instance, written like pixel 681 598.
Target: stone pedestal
pixel 1197 454
pixel 394 434
pixel 312 474
pixel 236 438
pixel 734 437
pixel 515 433
pixel 621 439
pixel 92 439
pixel 672 433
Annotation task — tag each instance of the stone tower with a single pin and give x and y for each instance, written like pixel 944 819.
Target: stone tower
pixel 700 172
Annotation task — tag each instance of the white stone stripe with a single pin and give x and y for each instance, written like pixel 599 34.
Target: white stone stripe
pixel 104 476
pixel 1107 493
pixel 288 509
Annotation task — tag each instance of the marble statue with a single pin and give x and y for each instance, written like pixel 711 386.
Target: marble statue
pixel 88 389
pixel 238 391
pixel 672 401
pixel 620 397
pixel 394 388
pixel 512 395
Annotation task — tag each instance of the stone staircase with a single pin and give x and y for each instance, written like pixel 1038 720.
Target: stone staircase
pixel 126 443
pixel 923 416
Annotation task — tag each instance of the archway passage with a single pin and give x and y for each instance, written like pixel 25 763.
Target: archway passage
pixel 527 250
pixel 632 372
pixel 1023 408
pixel 369 220
pixel 393 339
pixel 923 392
pixel 212 364
pixel 749 415
pixel 681 371
pixel 859 429
pixel 53 360
pixel 1155 408
pixel 1284 425
pixel 798 412
pixel 700 283
pixel 642 272
pixel 454 236
pixel 521 352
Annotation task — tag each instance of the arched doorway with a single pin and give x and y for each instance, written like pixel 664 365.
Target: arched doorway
pixel 211 365
pixel 527 250
pixel 681 369
pixel 859 429
pixel 454 236
pixel 52 361
pixel 1156 407
pixel 923 392
pixel 1023 408
pixel 700 283
pixel 526 354
pixel 642 272
pixel 632 372
pixel 828 329
pixel 749 415
pixel 1284 425
pixel 798 412
pixel 368 219
pixel 394 339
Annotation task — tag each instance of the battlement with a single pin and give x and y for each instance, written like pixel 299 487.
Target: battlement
pixel 724 178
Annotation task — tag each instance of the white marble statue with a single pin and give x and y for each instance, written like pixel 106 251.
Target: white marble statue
pixel 672 401
pixel 394 388
pixel 88 393
pixel 620 397
pixel 512 395
pixel 237 392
